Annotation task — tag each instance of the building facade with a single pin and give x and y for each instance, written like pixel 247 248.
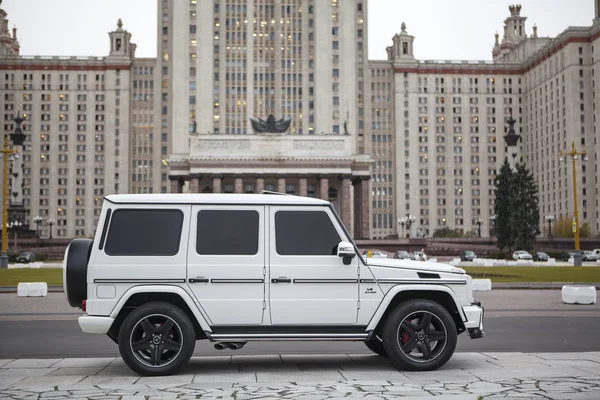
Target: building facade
pixel 225 62
pixel 78 130
pixel 445 144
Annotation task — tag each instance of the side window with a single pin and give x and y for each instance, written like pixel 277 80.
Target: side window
pixel 143 232
pixel 227 232
pixel 305 233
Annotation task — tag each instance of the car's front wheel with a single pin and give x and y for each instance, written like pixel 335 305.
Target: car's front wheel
pixel 156 339
pixel 419 335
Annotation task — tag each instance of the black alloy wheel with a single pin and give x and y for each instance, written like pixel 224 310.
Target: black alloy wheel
pixel 419 335
pixel 156 339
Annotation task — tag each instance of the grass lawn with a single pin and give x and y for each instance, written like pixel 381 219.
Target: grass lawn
pixel 53 276
pixel 535 274
pixel 11 277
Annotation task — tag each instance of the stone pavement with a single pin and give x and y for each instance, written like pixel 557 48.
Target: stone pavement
pixel 466 376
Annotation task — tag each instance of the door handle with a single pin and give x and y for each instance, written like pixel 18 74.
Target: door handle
pixel 198 279
pixel 281 279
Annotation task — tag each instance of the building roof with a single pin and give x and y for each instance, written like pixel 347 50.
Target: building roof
pixel 213 198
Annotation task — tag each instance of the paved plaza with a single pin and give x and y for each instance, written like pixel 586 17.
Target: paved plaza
pixel 466 376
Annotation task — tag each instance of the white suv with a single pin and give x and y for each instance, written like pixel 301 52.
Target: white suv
pixel 165 270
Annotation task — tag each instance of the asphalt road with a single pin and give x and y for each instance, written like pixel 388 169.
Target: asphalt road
pixel 515 321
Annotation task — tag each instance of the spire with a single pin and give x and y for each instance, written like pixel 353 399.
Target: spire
pixel 120 24
pixel 535 31
pixel 497 42
pixel 403 27
pixel 14 31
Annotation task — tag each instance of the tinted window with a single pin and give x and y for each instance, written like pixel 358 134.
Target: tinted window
pixel 144 233
pixel 227 232
pixel 306 233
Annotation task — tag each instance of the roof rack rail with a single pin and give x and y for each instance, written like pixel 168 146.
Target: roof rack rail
pixel 273 192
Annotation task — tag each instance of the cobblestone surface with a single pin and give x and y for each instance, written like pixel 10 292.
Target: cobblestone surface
pixel 466 376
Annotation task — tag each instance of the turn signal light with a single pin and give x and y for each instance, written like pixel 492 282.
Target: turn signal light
pixel 83 305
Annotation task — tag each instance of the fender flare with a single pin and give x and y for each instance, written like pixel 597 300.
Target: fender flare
pixel 394 290
pixel 162 289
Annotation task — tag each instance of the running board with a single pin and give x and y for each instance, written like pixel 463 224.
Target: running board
pixel 255 337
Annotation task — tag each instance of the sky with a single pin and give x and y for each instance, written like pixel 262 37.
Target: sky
pixel 443 29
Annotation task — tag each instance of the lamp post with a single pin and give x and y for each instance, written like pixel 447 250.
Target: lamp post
pixel 549 219
pixel 409 220
pixel 6 152
pixel 15 226
pixel 50 222
pixel 402 222
pixel 479 222
pixel 574 155
pixel 37 220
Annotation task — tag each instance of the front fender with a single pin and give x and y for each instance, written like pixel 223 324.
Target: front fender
pixel 162 289
pixel 383 306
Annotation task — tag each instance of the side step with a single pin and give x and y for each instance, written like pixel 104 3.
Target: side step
pixel 254 337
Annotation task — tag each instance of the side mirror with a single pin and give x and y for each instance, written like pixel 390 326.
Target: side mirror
pixel 346 251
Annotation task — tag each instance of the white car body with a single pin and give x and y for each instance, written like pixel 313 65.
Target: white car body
pixel 522 255
pixel 264 295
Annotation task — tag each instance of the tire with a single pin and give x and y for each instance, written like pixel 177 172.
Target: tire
pixel 409 332
pixel 150 349
pixel 77 256
pixel 376 346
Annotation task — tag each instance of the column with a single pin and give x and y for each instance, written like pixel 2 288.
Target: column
pixel 365 208
pixel 324 189
pixel 238 186
pixel 260 184
pixel 195 183
pixel 357 221
pixel 176 184
pixel 346 202
pixel 217 180
pixel 303 186
pixel 281 185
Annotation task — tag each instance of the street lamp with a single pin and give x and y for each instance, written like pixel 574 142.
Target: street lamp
pixel 479 222
pixel 574 155
pixel 37 220
pixel 6 154
pixel 402 222
pixel 408 220
pixel 50 222
pixel 15 226
pixel 549 219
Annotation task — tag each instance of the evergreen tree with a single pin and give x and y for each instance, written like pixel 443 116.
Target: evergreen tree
pixel 516 208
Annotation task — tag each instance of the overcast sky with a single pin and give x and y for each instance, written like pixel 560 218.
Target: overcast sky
pixel 444 29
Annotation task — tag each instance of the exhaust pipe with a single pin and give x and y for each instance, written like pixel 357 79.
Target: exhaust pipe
pixel 221 346
pixel 229 345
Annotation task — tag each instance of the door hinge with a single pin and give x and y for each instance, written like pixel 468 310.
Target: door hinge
pixel 264 304
pixel 358 304
pixel 264 271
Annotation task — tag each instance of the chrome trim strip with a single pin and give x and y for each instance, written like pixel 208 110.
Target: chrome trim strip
pixel 139 280
pixel 237 281
pixel 287 336
pixel 424 281
pixel 368 281
pixel 325 280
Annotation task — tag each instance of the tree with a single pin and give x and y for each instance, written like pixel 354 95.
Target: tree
pixel 516 208
pixel 444 231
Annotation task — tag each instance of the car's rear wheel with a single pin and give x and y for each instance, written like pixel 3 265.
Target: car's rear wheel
pixel 156 339
pixel 419 335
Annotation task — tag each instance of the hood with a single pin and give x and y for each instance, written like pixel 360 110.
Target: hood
pixel 412 264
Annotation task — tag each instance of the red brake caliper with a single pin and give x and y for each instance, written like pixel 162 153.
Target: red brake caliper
pixel 404 337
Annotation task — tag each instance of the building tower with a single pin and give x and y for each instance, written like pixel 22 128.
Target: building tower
pixel 512 140
pixel 9 46
pixel 514 33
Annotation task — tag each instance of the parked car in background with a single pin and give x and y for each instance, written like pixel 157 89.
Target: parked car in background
pixel 569 254
pixel 540 256
pixel 402 255
pixel 419 256
pixel 467 255
pixel 374 254
pixel 597 252
pixel 522 255
pixel 589 255
pixel 26 257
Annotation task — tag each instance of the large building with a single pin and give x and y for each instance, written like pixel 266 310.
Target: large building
pixel 438 128
pixel 88 125
pixel 303 62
